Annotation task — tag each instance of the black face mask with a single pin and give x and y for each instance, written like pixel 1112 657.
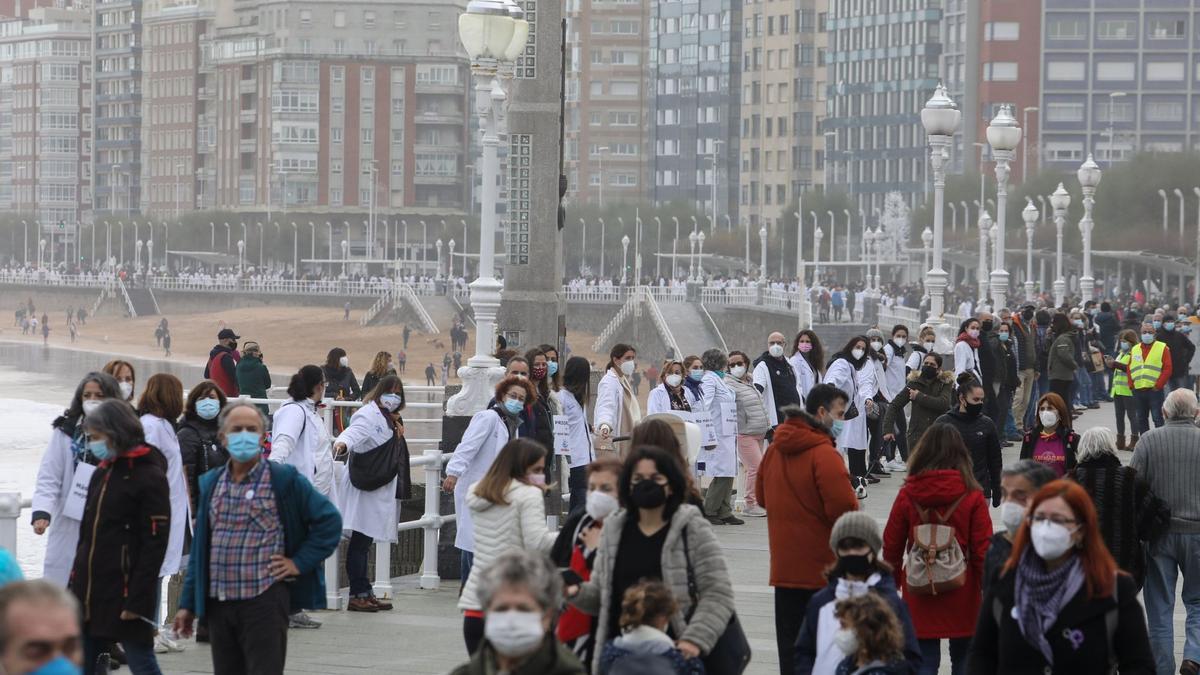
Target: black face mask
pixel 1027 315
pixel 973 409
pixel 986 326
pixel 648 495
pixel 854 565
pixel 929 372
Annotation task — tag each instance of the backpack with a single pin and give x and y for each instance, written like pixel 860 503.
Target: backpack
pixel 935 562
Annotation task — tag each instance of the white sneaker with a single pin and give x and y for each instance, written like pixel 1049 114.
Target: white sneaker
pixel 164 644
pixel 302 620
pixel 897 465
pixel 755 512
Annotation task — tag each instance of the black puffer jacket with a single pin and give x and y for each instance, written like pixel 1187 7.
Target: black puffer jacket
pixel 200 451
pixel 979 434
pixel 341 381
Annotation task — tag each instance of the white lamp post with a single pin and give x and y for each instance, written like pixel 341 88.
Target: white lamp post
pixel 1060 200
pixel 1163 194
pixel 692 256
pixel 1004 135
pixel 700 258
pixel 817 237
pixel 658 250
pixel 345 254
pixel 927 240
pixel 940 119
pixel 450 262
pixel 438 245
pixel 241 245
pixel 985 225
pixel 41 252
pixel 1030 215
pixel 869 252
pixel 624 257
pixel 877 258
pixel 762 241
pixel 137 258
pixel 675 251
pixel 1089 178
pixel 603 234
pixel 832 240
pixel 150 255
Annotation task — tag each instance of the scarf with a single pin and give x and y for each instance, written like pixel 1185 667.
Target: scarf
pixel 1040 596
pixel 694 387
pixel 631 410
pixel 678 400
pixel 972 342
pixel 853 589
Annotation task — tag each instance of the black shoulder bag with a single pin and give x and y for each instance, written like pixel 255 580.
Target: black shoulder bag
pixel 376 467
pixel 731 654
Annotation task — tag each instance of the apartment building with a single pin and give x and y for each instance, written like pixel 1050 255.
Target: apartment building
pixel 118 102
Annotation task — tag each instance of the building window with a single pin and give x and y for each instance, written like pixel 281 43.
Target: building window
pixel 337 74
pixel 1165 28
pixel 1119 111
pixel 1118 71
pixel 1064 111
pixel 1116 29
pixel 368 18
pixel 339 18
pixel 1001 30
pixel 1064 151
pixel 1164 71
pixel 1000 71
pixel 1163 111
pixel 1065 71
pixel 1066 28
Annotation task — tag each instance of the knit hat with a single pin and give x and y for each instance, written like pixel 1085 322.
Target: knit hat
pixel 874 333
pixel 857 525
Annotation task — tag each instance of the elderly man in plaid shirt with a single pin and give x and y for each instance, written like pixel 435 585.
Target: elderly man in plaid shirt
pixel 258 525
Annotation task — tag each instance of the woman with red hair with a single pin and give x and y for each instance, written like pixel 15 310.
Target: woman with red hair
pixel 1060 604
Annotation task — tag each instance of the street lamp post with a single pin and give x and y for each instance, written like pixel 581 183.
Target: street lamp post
pixel 438 245
pixel 692 257
pixel 1182 210
pixel 450 262
pixel 1089 179
pixel 762 241
pixel 817 237
pixel 832 240
pixel 624 258
pixel 849 223
pixel 1003 134
pixel 658 250
pixel 940 119
pixel 869 248
pixel 1166 205
pixel 1060 200
pixel 602 235
pixel 927 241
pixel 746 231
pixel 1030 215
pixel 241 246
pixel 700 258
pixel 985 225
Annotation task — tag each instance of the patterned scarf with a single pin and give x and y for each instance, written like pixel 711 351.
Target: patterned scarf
pixel 1041 594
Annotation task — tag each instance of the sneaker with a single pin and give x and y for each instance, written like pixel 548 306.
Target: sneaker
pixel 381 605
pixel 896 466
pixel 714 520
pixel 1015 438
pixel 361 605
pixel 302 620
pixel 870 479
pixel 164 643
pixel 733 520
pixel 1093 406
pixel 861 490
pixel 754 512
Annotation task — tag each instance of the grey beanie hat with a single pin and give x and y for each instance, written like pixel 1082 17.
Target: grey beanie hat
pixel 859 525
pixel 874 333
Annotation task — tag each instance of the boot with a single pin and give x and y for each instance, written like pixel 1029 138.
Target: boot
pixel 1120 441
pixel 1133 439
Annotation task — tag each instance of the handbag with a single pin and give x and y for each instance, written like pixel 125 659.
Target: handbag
pixel 731 654
pixel 376 467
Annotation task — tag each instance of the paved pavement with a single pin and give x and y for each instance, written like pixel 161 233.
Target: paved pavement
pixel 423 635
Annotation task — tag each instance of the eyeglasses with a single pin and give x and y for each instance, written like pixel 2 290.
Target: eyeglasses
pixel 1056 519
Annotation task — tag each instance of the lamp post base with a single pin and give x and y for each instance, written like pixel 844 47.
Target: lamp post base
pixel 1087 288
pixel 999 289
pixel 1060 291
pixel 1029 291
pixel 483 370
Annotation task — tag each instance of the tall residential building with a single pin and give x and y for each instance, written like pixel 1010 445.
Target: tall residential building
pixel 1127 68
pixel 608 98
pixel 118 99
pixel 883 65
pixel 45 117
pixel 1009 74
pixel 778 104
pixel 696 85
pixel 961 73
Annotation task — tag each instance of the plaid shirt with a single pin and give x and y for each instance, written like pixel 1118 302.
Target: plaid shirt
pixel 246 532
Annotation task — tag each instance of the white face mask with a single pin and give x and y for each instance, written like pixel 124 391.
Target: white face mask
pixel 775 350
pixel 876 345
pixel 899 341
pixel 974 332
pixel 674 380
pixel 1050 539
pixel 344 361
pixel 514 633
pixel 126 390
pixel 738 371
pixel 857 353
pixel 1048 417
pixel 929 346
pixel 1012 515
pixel 601 505
pixel 89 407
pixel 628 367
pixel 846 640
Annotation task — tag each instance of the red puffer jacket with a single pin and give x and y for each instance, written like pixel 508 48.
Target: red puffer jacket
pixel 952 614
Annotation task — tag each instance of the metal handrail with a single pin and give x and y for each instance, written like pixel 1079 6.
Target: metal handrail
pixel 128 301
pixel 405 292
pixel 611 328
pixel 659 322
pixel 376 308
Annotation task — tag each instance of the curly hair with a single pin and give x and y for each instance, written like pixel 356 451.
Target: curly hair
pixel 880 636
pixel 513 381
pixel 645 604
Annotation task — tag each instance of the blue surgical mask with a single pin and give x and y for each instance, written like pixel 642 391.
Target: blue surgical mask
pixel 1170 325
pixel 1003 337
pixel 391 401
pixel 58 666
pixel 1078 323
pixel 552 368
pixel 243 446
pixel 100 450
pixel 514 406
pixel 696 375
pixel 1147 338
pixel 1156 324
pixel 208 408
pixel 836 427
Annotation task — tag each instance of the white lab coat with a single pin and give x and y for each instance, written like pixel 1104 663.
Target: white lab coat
pixel 372 513
pixel 660 400
pixel 161 434
pixel 895 370
pixel 299 438
pixel 762 379
pixel 966 358
pixel 806 376
pixel 721 461
pixel 859 385
pixel 50 495
pixel 579 436
pixel 609 409
pixel 481 442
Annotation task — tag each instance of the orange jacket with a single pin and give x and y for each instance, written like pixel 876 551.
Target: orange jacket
pixel 805 487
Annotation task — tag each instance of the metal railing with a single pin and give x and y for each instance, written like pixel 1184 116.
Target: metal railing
pixel 890 316
pixel 405 293
pixel 128 300
pixel 611 329
pixel 269 286
pixel 659 323
pixel 601 294
pixel 668 294
pixel 381 304
pixel 44 278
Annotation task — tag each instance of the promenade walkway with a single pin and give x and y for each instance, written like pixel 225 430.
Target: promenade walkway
pixel 423 635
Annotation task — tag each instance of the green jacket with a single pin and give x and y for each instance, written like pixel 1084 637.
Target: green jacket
pixel 552 658
pixel 1060 362
pixel 253 378
pixel 932 401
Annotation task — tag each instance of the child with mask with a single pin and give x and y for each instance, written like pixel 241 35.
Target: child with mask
pixel 870 637
pixel 646 612
pixel 859 570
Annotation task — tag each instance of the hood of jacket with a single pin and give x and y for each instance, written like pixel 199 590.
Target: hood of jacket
pixel 1103 461
pixel 645 640
pixel 937 487
pixel 800 432
pixel 218 349
pixel 944 376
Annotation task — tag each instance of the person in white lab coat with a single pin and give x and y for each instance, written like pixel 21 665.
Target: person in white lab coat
pixel 882 398
pixel 719 461
pixel 896 356
pixel 371 515
pixel 487 433
pixel 851 371
pixel 966 350
pixel 670 395
pixel 122 371
pixel 617 408
pixel 572 398
pixel 65 453
pixel 808 361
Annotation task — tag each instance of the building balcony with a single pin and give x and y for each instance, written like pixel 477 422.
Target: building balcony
pixel 248 115
pixel 122 144
pixel 429 88
pixel 133 97
pixel 437 147
pixel 455 118
pixel 437 180
pixel 248 145
pixel 247 86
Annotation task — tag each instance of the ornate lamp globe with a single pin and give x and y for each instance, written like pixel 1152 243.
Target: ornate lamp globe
pixel 939 116
pixel 1089 173
pixel 1061 199
pixel 486 29
pixel 1003 133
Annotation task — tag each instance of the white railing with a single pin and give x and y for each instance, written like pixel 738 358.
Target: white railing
pixel 656 316
pixel 105 291
pixel 382 303
pixel 338 287
pixel 739 295
pixel 405 293
pixel 788 301
pixel 45 278
pixel 605 294
pixel 668 294
pixel 462 295
pixel 890 316
pixel 11 505
pixel 611 329
pixel 128 301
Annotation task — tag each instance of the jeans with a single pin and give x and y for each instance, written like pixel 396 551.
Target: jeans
pixel 1021 396
pixel 1149 404
pixel 790 607
pixel 1083 387
pixel 356 564
pixel 931 656
pixel 1041 388
pixel 1099 387
pixel 1123 407
pixel 577 484
pixel 1174 553
pixel 473 633
pixel 139 654
pixel 250 636
pixel 466 561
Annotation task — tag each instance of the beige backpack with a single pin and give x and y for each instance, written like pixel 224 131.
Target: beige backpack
pixel 935 563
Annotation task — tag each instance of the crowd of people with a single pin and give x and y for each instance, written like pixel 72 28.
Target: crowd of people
pixel 635 580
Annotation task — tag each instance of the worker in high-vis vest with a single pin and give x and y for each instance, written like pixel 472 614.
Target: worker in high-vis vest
pixel 1148 369
pixel 1122 388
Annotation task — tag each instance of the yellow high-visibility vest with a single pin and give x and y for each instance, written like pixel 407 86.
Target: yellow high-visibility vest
pixel 1120 379
pixel 1145 372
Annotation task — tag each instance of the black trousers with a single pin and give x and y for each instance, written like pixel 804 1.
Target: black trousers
pixel 357 553
pixel 577 484
pixel 790 606
pixel 472 633
pixel 250 636
pixel 1063 389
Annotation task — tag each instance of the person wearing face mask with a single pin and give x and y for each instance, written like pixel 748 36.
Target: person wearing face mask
pixel 576 546
pixel 489 431
pixel 893 356
pixel 925 344
pixel 572 399
pixel 852 371
pixel 554 373
pixel 198 445
pixel 658 537
pixel 520 593
pixel 123 539
pixel 543 408
pixel 941 488
pixel 1060 604
pixel 262 535
pixel 123 373
pixel 752 422
pixel 508 512
pixel 1061 361
pixel 67 462
pixel 1018 482
pixel 222 362
pixel 966 350
pixel 870 636
pixel 693 371
pixel 803 484
pixel 1181 349
pixel 774 378
pixel 1122 389
pixel 672 395
pixel 808 362
pixel 374 440
pixel 340 381
pixel 617 408
pixel 1150 368
pixel 40 625
pixel 930 390
pixel 1005 374
pixel 859 571
pixel 979 433
pixel 719 461
pixel 1052 441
